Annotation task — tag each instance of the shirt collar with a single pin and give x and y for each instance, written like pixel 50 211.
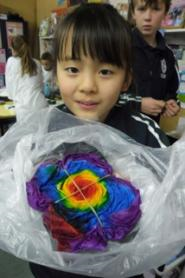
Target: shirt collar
pixel 139 42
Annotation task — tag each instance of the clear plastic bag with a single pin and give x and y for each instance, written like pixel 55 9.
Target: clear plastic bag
pixel 158 174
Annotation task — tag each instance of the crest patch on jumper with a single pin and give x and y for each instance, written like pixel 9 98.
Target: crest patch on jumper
pixel 163 69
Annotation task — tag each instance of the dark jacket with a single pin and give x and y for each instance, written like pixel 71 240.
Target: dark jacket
pixel 155 71
pixel 136 125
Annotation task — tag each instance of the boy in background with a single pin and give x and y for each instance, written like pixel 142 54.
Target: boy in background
pixel 154 66
pixel 49 85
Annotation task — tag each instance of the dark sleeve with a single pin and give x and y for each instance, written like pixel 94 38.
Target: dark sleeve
pixel 147 132
pixel 130 100
pixel 173 80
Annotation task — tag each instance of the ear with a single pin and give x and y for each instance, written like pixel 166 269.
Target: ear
pixel 127 83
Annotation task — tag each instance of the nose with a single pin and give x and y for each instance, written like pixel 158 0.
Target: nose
pixel 148 14
pixel 88 83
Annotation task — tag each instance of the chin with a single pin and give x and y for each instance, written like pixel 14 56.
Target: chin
pixel 89 117
pixel 147 33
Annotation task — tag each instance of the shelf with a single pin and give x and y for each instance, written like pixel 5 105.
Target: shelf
pixel 174 30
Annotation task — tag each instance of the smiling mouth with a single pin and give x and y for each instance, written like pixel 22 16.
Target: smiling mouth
pixel 88 105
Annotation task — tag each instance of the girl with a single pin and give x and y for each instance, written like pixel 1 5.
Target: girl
pixel 93 65
pixel 24 79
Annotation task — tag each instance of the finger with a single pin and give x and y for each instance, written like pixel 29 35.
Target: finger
pixel 170 113
pixel 160 104
pixel 173 110
pixel 165 114
pixel 157 110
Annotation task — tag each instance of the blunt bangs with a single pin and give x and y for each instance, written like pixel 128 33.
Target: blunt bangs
pixel 101 33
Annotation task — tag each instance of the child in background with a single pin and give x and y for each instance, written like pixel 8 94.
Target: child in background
pixel 154 68
pixel 48 74
pixel 23 77
pixel 93 65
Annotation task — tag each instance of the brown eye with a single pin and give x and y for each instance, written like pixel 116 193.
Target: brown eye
pixel 106 72
pixel 72 70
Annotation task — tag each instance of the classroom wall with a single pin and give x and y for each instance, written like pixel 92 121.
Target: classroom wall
pixel 27 10
pixel 33 11
pixel 44 8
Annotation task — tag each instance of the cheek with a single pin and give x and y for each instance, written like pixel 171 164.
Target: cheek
pixel 63 82
pixel 158 19
pixel 66 87
pixel 114 98
pixel 111 95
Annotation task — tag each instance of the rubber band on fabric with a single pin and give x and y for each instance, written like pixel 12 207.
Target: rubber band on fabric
pixel 79 190
pixel 83 204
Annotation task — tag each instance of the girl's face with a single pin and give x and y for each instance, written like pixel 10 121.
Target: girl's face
pixel 148 18
pixel 88 87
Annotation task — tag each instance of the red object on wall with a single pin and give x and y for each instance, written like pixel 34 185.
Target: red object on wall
pixel 60 11
pixel 2 60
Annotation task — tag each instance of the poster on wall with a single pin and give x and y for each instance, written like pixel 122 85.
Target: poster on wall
pixel 2 60
pixel 176 15
pixel 13 29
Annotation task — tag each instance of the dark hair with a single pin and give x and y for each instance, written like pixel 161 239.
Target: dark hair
pixel 22 50
pixel 98 30
pixel 149 3
pixel 46 56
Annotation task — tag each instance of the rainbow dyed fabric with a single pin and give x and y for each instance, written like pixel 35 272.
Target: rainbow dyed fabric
pixel 83 204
